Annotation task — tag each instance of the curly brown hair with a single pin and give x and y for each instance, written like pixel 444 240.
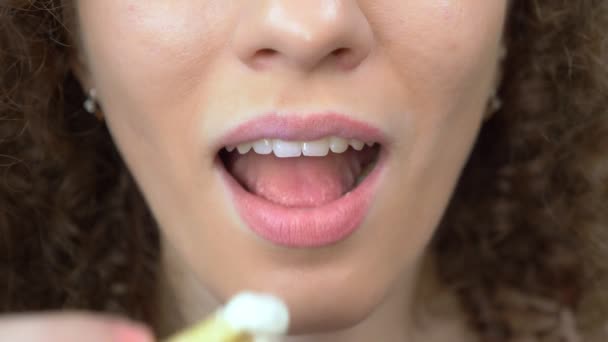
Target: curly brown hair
pixel 522 241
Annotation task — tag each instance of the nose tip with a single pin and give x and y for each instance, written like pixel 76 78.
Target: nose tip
pixel 302 34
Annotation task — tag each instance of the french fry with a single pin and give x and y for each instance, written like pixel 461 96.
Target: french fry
pixel 213 329
pixel 244 317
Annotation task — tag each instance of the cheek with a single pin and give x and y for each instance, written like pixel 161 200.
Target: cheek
pixel 148 58
pixel 444 55
pixel 441 48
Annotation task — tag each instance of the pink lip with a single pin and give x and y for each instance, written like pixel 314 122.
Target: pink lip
pixel 304 227
pixel 302 128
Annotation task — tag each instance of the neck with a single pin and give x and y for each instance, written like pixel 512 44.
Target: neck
pixel 414 310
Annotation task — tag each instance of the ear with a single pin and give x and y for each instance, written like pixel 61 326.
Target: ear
pixel 494 102
pixel 79 68
pixel 502 55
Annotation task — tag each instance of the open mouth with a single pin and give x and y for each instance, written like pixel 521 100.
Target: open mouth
pixel 302 181
pixel 300 174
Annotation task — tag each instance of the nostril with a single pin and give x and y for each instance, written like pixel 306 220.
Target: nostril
pixel 263 57
pixel 346 58
pixel 265 53
pixel 340 52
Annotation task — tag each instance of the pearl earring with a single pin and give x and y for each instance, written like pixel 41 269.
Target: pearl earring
pixel 90 104
pixel 495 102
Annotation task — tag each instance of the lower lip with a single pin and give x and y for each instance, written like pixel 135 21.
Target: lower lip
pixel 305 227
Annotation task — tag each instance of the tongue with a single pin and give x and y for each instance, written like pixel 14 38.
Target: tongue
pixel 296 182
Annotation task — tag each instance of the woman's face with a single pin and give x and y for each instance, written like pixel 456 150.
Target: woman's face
pixel 178 80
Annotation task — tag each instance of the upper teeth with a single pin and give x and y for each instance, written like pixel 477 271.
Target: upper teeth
pixel 286 149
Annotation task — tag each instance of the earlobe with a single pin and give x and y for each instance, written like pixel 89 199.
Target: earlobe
pixel 81 73
pixel 79 70
pixel 494 101
pixel 494 105
pixel 91 105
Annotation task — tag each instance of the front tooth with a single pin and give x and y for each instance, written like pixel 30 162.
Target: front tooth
pixel 317 148
pixel 286 149
pixel 230 148
pixel 243 148
pixel 263 146
pixel 357 144
pixel 338 145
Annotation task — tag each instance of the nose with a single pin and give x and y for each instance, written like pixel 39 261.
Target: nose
pixel 302 34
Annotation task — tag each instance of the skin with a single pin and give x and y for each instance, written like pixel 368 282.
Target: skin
pixel 70 327
pixel 173 76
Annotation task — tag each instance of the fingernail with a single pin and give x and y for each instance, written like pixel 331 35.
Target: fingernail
pixel 124 332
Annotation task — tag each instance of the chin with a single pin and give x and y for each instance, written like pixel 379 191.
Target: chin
pixel 328 312
pixel 319 304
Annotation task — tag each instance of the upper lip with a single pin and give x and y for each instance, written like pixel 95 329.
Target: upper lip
pixel 298 127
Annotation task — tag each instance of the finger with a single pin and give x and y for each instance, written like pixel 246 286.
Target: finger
pixel 70 327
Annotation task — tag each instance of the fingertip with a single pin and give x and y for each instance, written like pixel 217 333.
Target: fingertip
pixel 125 332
